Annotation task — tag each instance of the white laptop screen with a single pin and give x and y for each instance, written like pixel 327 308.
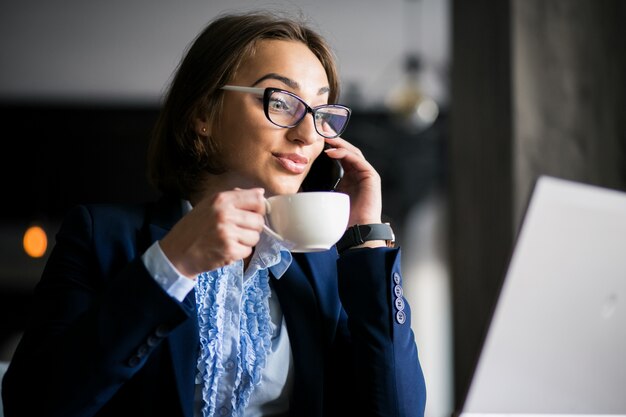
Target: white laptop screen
pixel 557 340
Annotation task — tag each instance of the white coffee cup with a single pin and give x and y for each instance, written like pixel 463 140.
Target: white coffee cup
pixel 307 221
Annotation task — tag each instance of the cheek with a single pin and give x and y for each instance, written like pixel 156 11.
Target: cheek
pixel 246 145
pixel 245 119
pixel 235 133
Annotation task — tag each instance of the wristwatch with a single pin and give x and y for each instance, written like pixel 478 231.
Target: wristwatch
pixel 361 233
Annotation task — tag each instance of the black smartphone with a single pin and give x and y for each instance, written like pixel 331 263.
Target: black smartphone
pixel 324 175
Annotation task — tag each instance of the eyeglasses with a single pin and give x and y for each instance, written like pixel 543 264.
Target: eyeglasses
pixel 285 109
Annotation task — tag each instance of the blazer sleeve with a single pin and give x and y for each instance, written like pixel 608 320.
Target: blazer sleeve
pixel 96 316
pixel 388 376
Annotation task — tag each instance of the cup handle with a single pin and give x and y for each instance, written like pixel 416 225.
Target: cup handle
pixel 266 227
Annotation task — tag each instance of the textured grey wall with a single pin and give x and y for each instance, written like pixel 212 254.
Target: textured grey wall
pixel 569 93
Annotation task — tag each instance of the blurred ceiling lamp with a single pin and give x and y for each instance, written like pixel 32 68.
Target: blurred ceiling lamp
pixel 35 242
pixel 408 102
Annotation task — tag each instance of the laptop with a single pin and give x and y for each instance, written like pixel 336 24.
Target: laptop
pixel 556 344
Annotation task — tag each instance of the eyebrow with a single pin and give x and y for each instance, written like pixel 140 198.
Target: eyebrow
pixel 288 82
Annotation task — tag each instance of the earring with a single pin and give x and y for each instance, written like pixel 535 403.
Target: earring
pixel 204 130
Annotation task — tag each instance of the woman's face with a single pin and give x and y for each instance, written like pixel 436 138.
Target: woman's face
pixel 256 152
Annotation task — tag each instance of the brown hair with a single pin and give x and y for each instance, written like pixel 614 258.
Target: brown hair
pixel 178 158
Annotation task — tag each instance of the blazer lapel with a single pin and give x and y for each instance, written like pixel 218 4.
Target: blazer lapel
pixel 300 292
pixel 183 341
pixel 321 269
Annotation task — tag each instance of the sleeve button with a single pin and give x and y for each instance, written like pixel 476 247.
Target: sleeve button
pixel 397 290
pixel 162 331
pixel 134 361
pixel 400 317
pixel 153 340
pixel 142 351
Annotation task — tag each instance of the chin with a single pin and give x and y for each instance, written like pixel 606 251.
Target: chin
pixel 285 187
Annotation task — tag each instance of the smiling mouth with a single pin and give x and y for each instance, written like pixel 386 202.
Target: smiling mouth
pixel 293 163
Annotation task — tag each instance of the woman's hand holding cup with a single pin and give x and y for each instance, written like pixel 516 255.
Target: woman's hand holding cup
pixel 219 230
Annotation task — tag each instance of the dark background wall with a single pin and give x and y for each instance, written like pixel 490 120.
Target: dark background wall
pixel 480 172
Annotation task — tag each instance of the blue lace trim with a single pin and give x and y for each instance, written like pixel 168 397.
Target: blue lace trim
pixel 256 331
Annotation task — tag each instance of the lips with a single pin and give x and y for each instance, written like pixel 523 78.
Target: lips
pixel 292 162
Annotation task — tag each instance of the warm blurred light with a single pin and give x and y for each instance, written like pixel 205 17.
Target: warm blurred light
pixel 427 110
pixel 35 242
pixel 408 103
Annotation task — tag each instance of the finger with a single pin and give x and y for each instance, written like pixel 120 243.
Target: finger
pixel 339 143
pixel 248 220
pixel 249 199
pixel 252 200
pixel 248 237
pixel 349 158
pixel 233 242
pixel 236 240
pixel 234 252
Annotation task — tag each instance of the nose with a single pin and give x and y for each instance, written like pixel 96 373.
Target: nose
pixel 304 132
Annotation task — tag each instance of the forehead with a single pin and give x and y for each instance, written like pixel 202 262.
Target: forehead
pixel 290 59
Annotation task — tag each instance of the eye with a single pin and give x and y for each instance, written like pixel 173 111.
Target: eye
pixel 321 117
pixel 278 105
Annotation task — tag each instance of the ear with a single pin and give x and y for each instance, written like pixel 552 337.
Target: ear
pixel 201 126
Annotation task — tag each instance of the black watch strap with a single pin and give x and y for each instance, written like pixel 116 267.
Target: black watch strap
pixel 361 233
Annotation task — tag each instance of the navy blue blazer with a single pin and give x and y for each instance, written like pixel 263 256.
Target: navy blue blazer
pixel 106 340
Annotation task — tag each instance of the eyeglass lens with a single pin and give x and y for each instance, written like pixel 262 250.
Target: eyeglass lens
pixel 286 110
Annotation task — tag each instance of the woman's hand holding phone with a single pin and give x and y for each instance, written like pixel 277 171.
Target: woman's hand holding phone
pixel 360 181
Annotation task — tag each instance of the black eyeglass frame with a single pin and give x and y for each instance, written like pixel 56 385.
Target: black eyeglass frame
pixel 267 92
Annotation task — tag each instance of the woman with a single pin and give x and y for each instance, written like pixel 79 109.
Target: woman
pixel 185 307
